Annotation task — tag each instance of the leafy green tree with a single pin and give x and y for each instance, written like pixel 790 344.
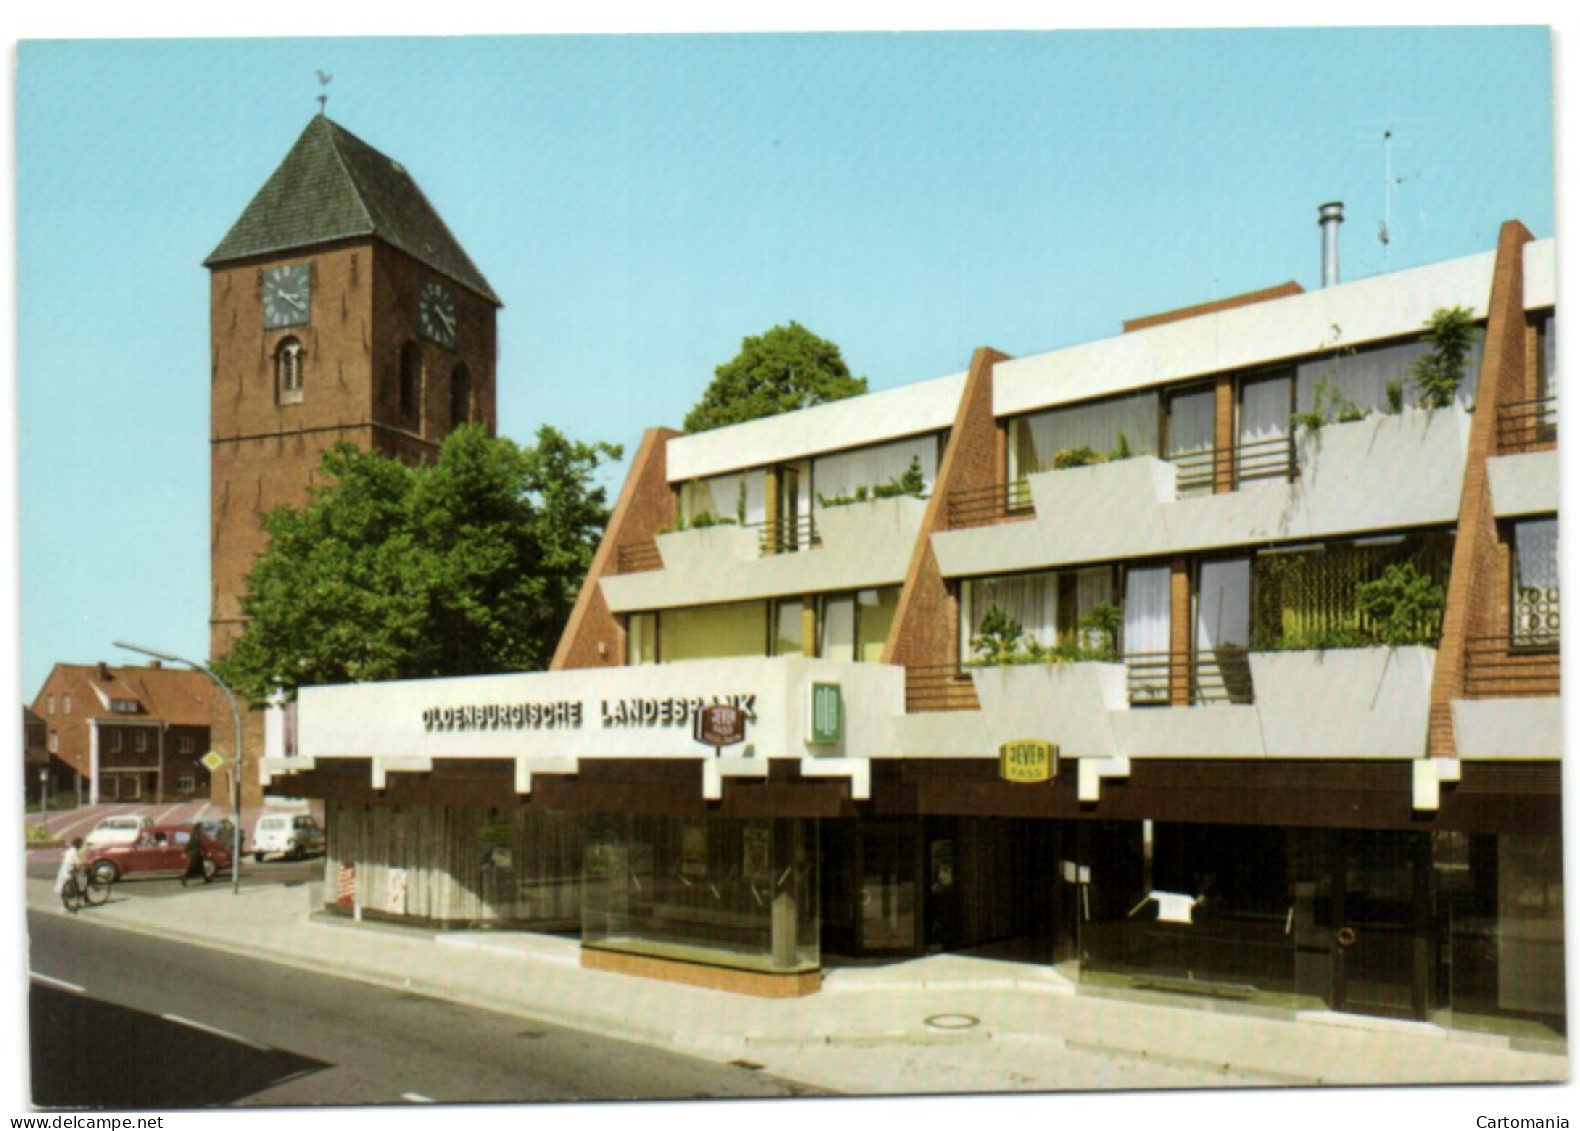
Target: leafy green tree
pixel 1451 332
pixel 784 369
pixel 464 566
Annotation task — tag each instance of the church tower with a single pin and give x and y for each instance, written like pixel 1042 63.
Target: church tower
pixel 341 309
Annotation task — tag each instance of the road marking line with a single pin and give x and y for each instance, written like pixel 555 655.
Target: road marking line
pixel 417 1098
pixel 191 1024
pixel 57 983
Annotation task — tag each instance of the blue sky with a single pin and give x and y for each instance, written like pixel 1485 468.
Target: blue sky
pixel 642 203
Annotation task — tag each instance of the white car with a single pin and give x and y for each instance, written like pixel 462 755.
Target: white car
pixel 117 830
pixel 286 834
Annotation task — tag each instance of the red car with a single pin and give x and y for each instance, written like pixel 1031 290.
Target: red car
pixel 158 851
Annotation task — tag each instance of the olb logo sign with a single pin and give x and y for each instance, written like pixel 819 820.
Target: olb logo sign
pixel 1028 761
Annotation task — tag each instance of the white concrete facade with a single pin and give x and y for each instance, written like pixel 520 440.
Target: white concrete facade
pixel 1378 474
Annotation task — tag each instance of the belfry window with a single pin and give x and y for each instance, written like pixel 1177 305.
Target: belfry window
pixel 290 359
pixel 460 397
pixel 410 380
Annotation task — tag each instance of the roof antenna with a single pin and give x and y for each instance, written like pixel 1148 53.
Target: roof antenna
pixel 323 97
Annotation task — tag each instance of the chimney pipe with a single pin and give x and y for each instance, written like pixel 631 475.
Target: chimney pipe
pixel 1329 217
pixel 103 672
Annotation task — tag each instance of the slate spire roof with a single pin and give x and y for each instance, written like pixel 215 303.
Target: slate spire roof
pixel 331 186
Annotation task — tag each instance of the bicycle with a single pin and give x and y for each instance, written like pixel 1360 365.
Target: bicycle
pixel 84 891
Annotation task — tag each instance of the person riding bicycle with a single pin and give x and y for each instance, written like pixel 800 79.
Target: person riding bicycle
pixel 72 867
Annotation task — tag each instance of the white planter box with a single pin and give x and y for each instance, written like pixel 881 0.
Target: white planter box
pixel 689 549
pixel 1067 704
pixel 1344 702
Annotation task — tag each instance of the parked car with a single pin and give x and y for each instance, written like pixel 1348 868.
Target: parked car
pixel 286 834
pixel 159 850
pixel 118 830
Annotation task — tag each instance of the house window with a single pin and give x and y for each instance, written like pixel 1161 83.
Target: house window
pixel 1047 440
pixel 1048 607
pixel 140 741
pixel 186 783
pixel 786 639
pixel 1534 602
pixel 289 362
pixel 115 741
pixel 460 397
pixel 713 631
pixel 855 626
pixel 1189 424
pixel 124 706
pixel 51 704
pixel 641 639
pixel 410 380
pixel 65 704
pixel 185 745
pixel 54 743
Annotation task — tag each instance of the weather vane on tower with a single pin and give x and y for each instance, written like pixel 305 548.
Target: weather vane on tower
pixel 323 97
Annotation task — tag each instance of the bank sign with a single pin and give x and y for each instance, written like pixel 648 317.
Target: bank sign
pixel 1028 761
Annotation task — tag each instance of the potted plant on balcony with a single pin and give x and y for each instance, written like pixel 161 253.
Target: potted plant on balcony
pixel 1451 332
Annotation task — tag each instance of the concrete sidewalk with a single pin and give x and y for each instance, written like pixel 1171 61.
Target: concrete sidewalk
pixel 933 1025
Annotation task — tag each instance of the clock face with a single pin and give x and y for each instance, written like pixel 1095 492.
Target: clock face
pixel 285 295
pixel 436 313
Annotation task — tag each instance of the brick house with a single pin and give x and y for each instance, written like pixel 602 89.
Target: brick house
pixel 127 733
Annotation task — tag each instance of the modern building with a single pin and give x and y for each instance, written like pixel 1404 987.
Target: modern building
pixel 1203 659
pixel 341 310
pixel 124 733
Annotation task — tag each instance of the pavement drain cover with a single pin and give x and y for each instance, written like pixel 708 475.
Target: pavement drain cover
pixel 952 1021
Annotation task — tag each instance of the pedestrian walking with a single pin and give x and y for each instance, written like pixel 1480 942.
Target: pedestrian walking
pixel 195 857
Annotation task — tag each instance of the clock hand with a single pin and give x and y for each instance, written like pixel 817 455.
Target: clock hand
pixel 292 299
pixel 448 320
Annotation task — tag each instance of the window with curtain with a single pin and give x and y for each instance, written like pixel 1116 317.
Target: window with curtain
pixel 1030 599
pixel 1035 440
pixel 1362 376
pixel 1147 630
pixel 1536 583
pixel 787 628
pixel 837 627
pixel 723 496
pixel 874 615
pixel 1189 427
pixel 1265 406
pixel 641 639
pixel 712 632
pixel 1223 630
pixel 842 473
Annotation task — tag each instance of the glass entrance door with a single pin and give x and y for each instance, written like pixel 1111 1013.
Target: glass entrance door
pixel 889 867
pixel 1381 941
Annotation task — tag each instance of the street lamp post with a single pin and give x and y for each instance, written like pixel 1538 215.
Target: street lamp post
pixel 235 713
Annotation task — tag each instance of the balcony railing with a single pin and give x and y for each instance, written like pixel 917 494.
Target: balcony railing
pixel 779 537
pixel 984 506
pixel 1504 667
pixel 1199 472
pixel 637 557
pixel 1528 425
pixel 939 687
pixel 1220 676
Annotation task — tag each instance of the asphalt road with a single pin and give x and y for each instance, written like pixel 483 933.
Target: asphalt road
pixel 123 1020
